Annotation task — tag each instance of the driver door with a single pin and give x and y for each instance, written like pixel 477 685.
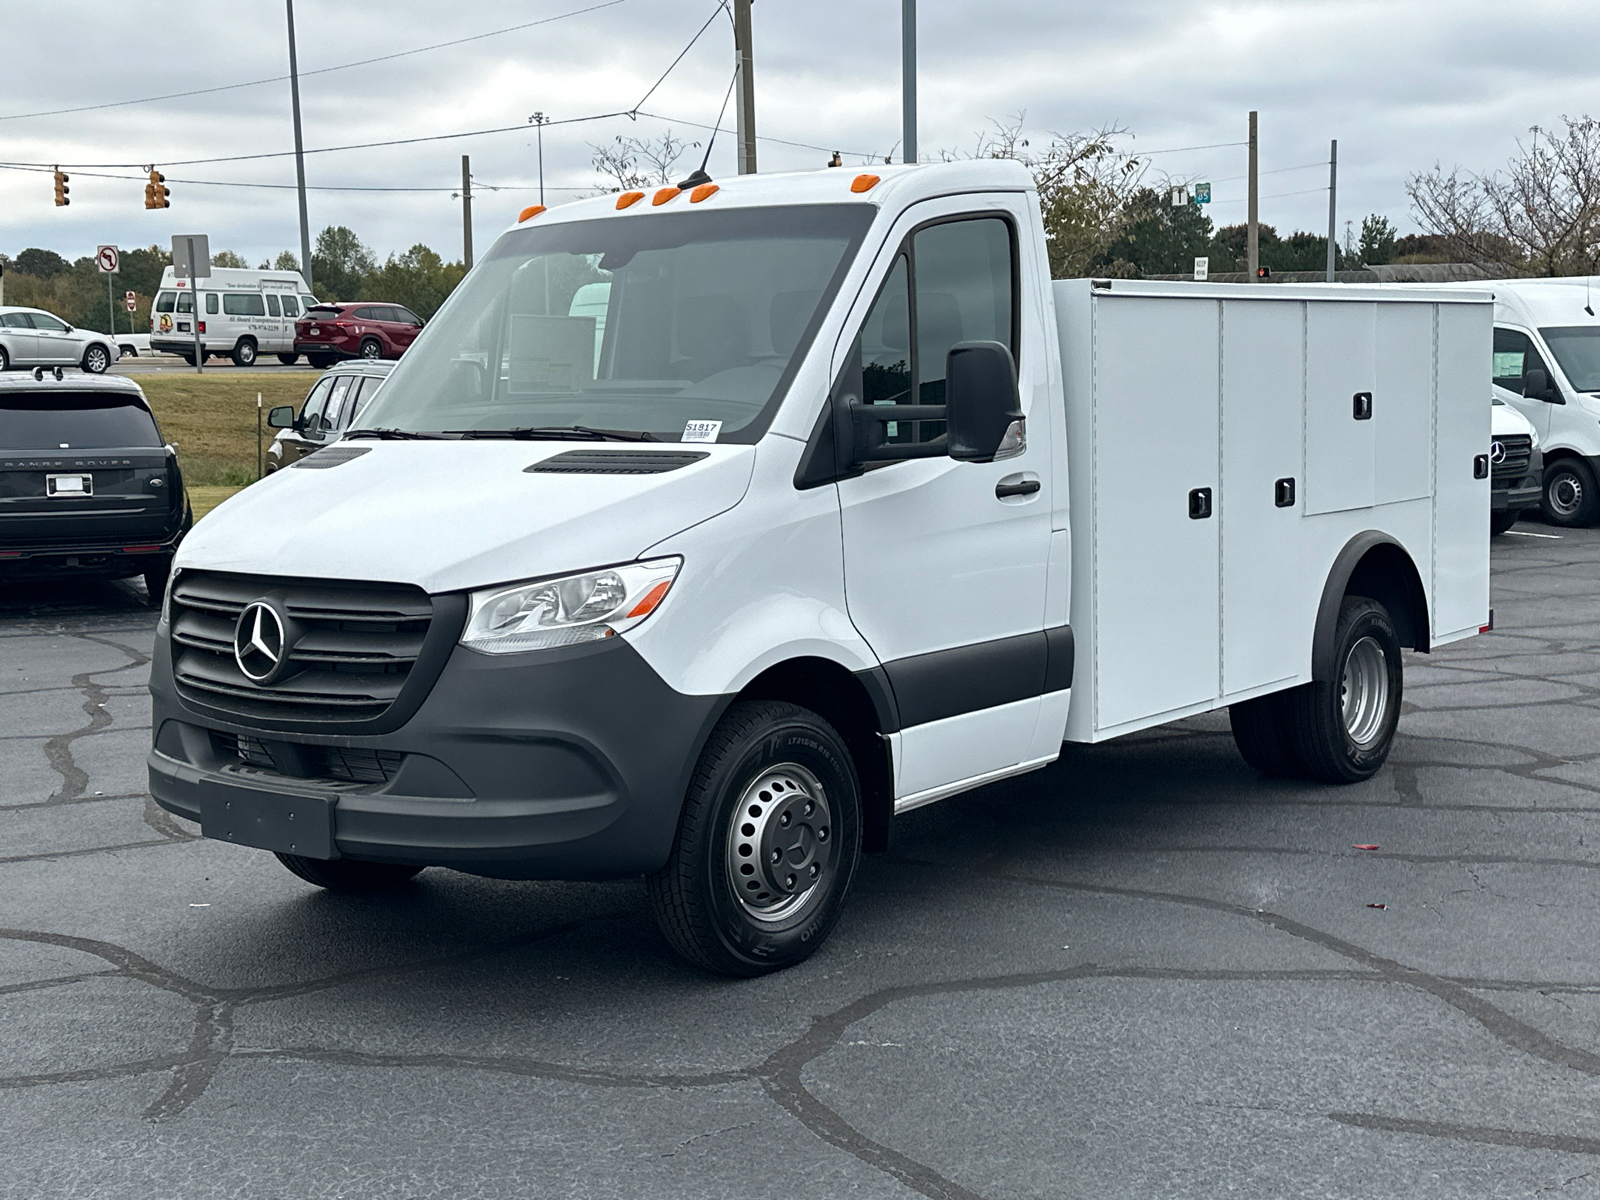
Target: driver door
pixel 1514 356
pixel 53 343
pixel 945 560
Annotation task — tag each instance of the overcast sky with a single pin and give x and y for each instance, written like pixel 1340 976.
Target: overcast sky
pixel 1402 84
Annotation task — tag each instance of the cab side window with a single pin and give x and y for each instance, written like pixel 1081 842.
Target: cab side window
pixel 311 412
pixel 291 307
pixel 955 281
pixel 45 321
pixel 272 306
pixel 1514 356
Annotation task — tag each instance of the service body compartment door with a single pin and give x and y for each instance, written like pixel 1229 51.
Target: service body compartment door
pixel 1155 566
pixel 1402 404
pixel 1460 502
pixel 1264 616
pixel 1339 443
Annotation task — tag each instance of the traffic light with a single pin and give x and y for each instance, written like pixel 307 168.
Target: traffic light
pixel 61 189
pixel 155 194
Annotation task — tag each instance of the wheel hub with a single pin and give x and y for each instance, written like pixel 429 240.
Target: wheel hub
pixel 1365 691
pixel 1566 494
pixel 780 842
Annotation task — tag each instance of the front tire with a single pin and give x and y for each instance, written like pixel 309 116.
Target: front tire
pixel 1344 728
pixel 348 875
pixel 1570 498
pixel 244 353
pixel 96 359
pixel 1500 522
pixel 767 845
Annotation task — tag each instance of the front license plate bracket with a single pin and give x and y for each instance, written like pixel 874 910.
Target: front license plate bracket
pixel 300 825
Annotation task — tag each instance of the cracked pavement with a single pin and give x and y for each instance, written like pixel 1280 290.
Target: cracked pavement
pixel 1143 972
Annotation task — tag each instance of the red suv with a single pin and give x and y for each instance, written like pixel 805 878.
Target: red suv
pixel 330 332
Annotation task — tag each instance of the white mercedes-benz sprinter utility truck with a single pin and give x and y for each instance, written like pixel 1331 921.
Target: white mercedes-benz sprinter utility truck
pixel 844 508
pixel 243 314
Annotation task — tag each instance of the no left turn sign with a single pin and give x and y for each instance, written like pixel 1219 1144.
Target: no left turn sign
pixel 108 259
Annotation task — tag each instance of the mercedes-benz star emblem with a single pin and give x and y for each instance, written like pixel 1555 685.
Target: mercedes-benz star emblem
pixel 258 642
pixel 1497 452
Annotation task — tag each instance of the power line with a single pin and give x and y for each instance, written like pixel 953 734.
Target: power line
pixel 759 137
pixel 630 113
pixel 228 87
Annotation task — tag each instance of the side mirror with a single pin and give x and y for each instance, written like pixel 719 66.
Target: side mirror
pixel 281 417
pixel 983 409
pixel 1536 385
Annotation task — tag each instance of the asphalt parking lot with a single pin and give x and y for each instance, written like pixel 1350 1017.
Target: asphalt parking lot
pixel 1144 972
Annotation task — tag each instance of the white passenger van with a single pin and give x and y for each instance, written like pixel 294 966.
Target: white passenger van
pixel 846 508
pixel 243 314
pixel 1547 366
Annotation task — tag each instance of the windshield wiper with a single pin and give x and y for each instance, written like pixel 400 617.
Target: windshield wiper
pixel 571 433
pixel 393 435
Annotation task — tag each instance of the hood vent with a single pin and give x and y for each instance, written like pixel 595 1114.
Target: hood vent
pixel 616 462
pixel 331 457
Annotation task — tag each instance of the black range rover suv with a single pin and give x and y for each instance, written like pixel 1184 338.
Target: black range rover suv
pixel 87 486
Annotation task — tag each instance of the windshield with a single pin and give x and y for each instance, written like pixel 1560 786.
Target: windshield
pixel 74 421
pixel 1577 349
pixel 643 324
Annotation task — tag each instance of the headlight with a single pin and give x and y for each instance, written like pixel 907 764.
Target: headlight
pixel 567 611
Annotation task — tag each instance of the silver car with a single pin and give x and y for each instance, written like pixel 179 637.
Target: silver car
pixel 30 337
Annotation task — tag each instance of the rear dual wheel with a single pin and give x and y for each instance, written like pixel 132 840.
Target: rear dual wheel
pixel 1338 731
pixel 767 844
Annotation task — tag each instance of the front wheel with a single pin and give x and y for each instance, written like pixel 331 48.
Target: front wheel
pixel 767 844
pixel 1570 498
pixel 348 874
pixel 96 359
pixel 1344 728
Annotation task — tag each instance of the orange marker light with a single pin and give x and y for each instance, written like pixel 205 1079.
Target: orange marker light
pixel 629 198
pixel 647 605
pixel 663 196
pixel 527 214
pixel 702 192
pixel 863 183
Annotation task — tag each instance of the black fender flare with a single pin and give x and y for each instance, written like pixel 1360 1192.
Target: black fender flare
pixel 1401 592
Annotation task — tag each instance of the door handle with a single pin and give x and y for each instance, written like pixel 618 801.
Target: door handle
pixel 1016 487
pixel 1199 504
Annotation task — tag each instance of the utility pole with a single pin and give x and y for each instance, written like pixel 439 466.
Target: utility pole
pixel 908 79
pixel 299 152
pixel 466 210
pixel 1333 199
pixel 1254 227
pixel 744 57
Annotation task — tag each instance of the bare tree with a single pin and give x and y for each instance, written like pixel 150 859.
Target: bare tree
pixel 630 164
pixel 1541 216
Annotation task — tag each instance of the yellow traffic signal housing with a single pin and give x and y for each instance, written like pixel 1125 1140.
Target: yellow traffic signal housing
pixel 61 189
pixel 155 195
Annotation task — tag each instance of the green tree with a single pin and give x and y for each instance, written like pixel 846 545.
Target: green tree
pixel 1377 240
pixel 41 264
pixel 1158 239
pixel 340 264
pixel 227 258
pixel 418 279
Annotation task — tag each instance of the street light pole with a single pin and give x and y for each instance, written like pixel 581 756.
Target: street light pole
pixel 299 152
pixel 908 79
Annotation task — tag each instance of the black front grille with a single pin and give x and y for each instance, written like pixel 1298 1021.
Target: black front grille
pixel 1519 450
pixel 350 647
pixel 299 761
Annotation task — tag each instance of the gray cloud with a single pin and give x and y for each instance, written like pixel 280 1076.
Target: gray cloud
pixel 1401 84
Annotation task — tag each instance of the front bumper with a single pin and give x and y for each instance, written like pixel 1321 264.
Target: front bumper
pixel 561 764
pixel 1516 499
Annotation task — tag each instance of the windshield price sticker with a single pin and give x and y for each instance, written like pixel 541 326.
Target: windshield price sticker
pixel 702 431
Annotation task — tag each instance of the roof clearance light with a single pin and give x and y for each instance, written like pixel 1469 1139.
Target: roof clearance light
pixel 665 194
pixel 527 214
pixel 703 192
pixel 629 198
pixel 863 183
